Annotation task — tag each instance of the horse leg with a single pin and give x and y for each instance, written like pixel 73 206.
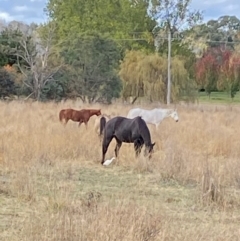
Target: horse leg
pixel 65 122
pixel 138 147
pixel 80 122
pixel 118 146
pixel 105 143
pixel 85 120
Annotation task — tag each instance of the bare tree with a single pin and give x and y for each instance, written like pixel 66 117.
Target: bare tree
pixel 36 59
pixel 174 16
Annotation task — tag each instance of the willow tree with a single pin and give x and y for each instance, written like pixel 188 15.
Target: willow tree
pixel 129 74
pixel 145 75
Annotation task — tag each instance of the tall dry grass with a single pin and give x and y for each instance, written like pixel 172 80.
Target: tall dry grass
pixel 53 187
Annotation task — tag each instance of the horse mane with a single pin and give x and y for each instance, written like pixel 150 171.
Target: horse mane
pixel 168 111
pixel 93 110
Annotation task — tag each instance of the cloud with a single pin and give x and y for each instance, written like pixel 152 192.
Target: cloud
pixel 6 16
pixel 28 11
pixel 22 8
pixel 232 7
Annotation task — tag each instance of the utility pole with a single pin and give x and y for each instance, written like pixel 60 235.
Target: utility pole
pixel 169 68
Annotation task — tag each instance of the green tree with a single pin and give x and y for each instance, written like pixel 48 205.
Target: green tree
pixel 92 60
pixel 222 32
pixel 146 75
pixel 183 51
pixel 121 19
pixel 8 42
pixel 7 86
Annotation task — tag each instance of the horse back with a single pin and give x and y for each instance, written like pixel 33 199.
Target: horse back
pixel 113 124
pixel 134 113
pixel 123 127
pixel 78 115
pixel 64 114
pixel 151 116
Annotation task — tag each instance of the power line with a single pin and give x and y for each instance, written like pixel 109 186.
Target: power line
pixel 157 38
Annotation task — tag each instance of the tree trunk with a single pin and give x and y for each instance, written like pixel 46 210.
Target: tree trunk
pixel 169 68
pixel 38 94
pixel 82 98
pixel 134 99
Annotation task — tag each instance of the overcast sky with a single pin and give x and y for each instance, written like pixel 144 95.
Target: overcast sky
pixel 29 11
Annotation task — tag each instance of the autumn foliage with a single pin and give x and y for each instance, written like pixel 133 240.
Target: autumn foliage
pixel 219 68
pixel 206 69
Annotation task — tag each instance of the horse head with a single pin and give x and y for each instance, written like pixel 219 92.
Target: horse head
pixel 149 150
pixel 174 115
pixel 98 112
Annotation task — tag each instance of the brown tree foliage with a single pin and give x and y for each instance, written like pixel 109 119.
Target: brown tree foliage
pixel 219 68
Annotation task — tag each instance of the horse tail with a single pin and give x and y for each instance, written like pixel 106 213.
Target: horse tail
pixel 102 124
pixel 61 115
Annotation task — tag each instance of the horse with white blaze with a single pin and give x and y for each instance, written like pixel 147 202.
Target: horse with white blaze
pixel 154 116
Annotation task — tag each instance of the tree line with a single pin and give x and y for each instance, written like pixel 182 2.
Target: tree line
pixel 106 49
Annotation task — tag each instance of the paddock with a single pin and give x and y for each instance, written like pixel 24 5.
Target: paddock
pixel 52 183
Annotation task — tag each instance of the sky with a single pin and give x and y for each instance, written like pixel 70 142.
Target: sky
pixel 29 11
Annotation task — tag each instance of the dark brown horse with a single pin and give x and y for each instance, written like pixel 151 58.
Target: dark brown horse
pixel 127 130
pixel 81 116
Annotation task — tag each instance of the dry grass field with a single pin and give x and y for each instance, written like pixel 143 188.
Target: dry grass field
pixel 53 187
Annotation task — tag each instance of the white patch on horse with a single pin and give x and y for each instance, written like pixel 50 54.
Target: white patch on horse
pixel 154 116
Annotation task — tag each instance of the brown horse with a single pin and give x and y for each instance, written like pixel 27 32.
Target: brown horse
pixel 81 116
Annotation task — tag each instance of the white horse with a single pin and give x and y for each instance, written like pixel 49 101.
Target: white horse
pixel 154 116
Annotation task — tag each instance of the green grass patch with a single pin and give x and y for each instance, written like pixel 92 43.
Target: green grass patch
pixel 219 97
